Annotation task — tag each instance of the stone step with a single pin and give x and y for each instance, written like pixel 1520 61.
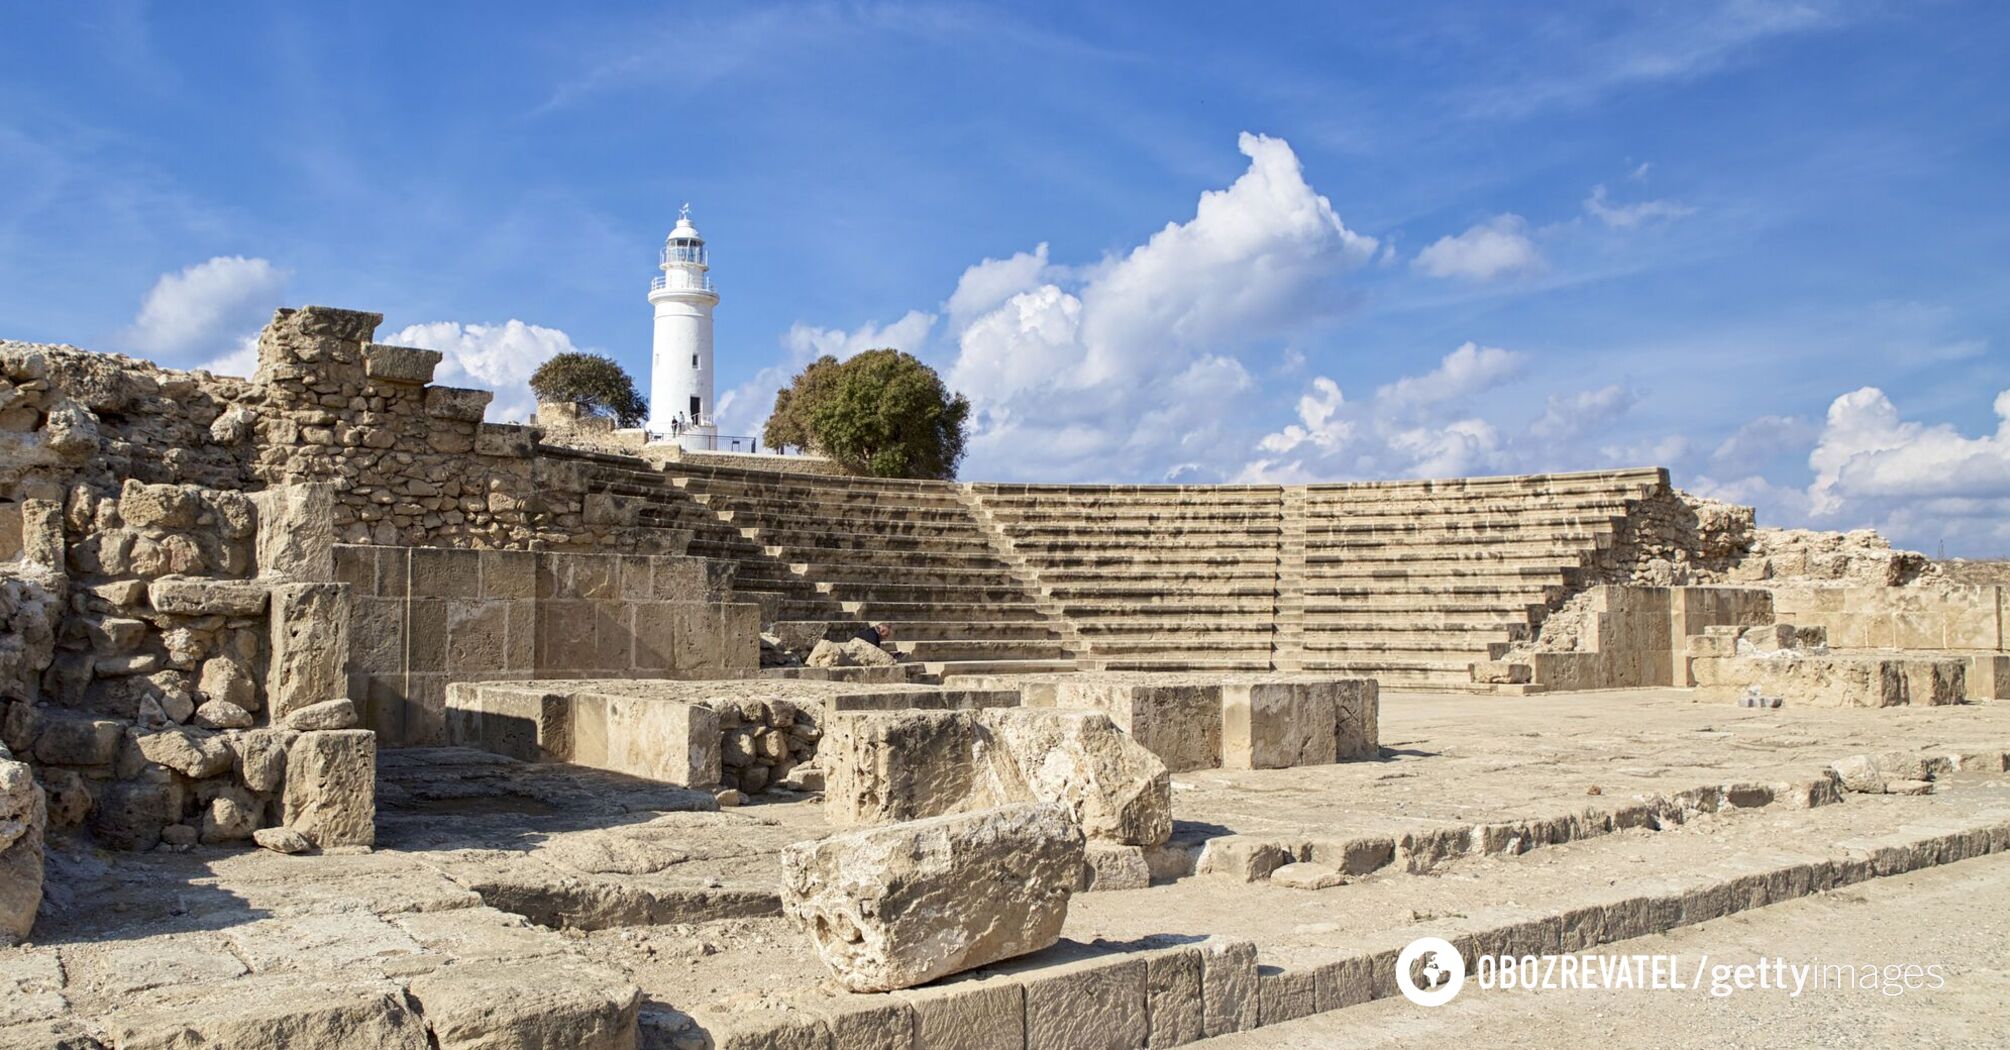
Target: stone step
pixel 1049 532
pixel 899 590
pixel 1464 510
pixel 1469 571
pixel 747 476
pixel 1120 514
pixel 830 562
pixel 1196 644
pixel 1001 630
pixel 942 649
pixel 1151 589
pixel 998 575
pixel 1456 528
pixel 1177 662
pixel 1092 544
pixel 947 669
pixel 799 499
pixel 837 538
pixel 876 611
pixel 1086 609
pixel 1520 591
pixel 1411 605
pixel 875 523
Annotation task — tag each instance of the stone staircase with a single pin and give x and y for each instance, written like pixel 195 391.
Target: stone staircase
pixel 1154 577
pixel 1409 582
pixel 1414 581
pixel 635 491
pixel 911 553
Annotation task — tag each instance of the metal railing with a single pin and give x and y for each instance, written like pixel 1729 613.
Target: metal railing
pixel 709 442
pixel 683 281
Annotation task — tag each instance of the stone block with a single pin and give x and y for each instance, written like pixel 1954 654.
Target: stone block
pixel 881 768
pixel 24 819
pixel 1175 1007
pixel 659 740
pixel 477 637
pixel 890 907
pixel 309 643
pixel 330 792
pixel 1276 725
pixel 1229 982
pixel 1093 1003
pixel 968 1013
pixel 1181 724
pixel 1113 787
pixel 457 403
pixel 188 596
pixel 528 1004
pixel 444 572
pixel 296 532
pixel 529 725
pixel 399 364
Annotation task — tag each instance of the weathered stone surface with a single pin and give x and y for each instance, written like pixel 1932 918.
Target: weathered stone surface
pixel 528 1004
pixel 261 758
pixel 1179 722
pixel 1113 787
pixel 903 765
pixel 330 793
pixel 201 597
pixel 1110 866
pixel 131 813
pixel 78 741
pixel 222 714
pixel 23 822
pixel 457 403
pixel 310 641
pixel 399 364
pixel 282 840
pixel 296 532
pixel 1228 986
pixel 192 752
pixel 231 816
pixel 275 1012
pixel 329 714
pixel 891 907
pixel 1306 875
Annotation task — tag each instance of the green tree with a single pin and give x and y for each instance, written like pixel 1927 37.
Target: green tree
pixel 882 413
pixel 789 422
pixel 593 382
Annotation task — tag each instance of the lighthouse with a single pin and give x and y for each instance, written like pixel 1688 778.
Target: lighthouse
pixel 680 366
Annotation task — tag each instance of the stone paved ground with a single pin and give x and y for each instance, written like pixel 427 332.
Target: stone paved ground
pixel 659 890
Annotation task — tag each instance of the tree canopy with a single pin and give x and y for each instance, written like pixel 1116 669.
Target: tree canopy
pixel 593 382
pixel 882 413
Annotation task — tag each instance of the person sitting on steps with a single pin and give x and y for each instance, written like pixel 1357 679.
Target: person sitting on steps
pixel 878 634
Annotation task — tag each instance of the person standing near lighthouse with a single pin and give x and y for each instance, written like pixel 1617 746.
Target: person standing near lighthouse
pixel 680 364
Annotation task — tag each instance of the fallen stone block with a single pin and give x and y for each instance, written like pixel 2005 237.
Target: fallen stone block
pixel 891 907
pixel 330 793
pixel 328 714
pixel 1306 875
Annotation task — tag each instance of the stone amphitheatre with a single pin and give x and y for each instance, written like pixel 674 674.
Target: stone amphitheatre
pixel 334 716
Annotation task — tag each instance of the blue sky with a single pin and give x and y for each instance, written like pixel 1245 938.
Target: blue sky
pixel 1760 243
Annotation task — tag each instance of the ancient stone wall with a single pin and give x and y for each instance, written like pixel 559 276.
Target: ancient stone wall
pixel 422 617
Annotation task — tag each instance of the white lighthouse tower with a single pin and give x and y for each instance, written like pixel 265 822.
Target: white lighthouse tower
pixel 680 368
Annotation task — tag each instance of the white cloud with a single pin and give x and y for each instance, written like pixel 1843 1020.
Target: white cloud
pixel 203 312
pixel 743 410
pixel 1869 455
pixel 1487 250
pixel 1628 216
pixel 1469 369
pixel 1134 365
pixel 1569 415
pixel 1760 442
pixel 989 284
pixel 498 357
pixel 1428 426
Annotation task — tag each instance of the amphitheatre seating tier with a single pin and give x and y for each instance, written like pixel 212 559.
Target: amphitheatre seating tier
pixel 1412 580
